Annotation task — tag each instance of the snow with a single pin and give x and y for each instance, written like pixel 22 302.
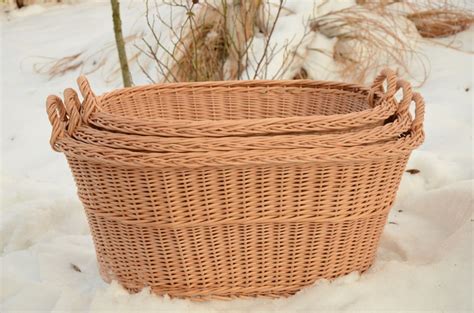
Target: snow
pixel 424 262
pixel 288 47
pixel 29 10
pixel 319 62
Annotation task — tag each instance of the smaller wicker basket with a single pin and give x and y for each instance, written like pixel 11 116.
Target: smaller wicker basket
pixel 239 108
pixel 391 128
pixel 400 123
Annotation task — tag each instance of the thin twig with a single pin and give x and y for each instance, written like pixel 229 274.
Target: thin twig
pixel 268 38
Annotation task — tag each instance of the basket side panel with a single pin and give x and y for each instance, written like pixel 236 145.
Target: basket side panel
pixel 223 195
pixel 231 103
pixel 235 231
pixel 271 259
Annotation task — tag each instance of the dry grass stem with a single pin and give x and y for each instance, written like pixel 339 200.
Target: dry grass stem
pixel 369 41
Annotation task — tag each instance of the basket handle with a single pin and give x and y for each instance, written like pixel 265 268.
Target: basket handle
pixel 73 107
pixel 63 116
pixel 57 118
pixel 404 104
pixel 407 97
pixel 417 123
pixel 385 75
pixel 90 103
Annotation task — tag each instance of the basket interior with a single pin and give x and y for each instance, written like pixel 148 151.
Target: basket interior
pixel 232 103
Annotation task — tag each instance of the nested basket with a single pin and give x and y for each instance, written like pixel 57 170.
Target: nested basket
pixel 389 129
pixel 222 224
pixel 239 108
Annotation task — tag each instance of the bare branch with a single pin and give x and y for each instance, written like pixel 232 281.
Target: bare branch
pixel 268 38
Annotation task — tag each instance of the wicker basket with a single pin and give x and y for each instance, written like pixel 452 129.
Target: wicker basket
pixel 219 109
pixel 222 224
pixel 392 129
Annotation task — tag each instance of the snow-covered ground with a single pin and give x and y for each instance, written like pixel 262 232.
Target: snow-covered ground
pixel 47 256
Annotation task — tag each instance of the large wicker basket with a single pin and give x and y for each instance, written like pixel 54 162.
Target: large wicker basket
pixel 249 222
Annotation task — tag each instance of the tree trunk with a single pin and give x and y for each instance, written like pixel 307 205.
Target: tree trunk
pixel 127 78
pixel 241 19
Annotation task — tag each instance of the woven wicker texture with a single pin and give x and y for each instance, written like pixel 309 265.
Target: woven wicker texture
pixel 234 223
pixel 226 108
pixel 394 126
pixel 398 124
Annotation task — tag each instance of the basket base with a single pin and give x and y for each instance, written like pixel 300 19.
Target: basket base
pixel 247 292
pixel 236 261
pixel 243 292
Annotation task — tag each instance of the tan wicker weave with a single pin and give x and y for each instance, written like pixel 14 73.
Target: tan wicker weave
pixel 231 108
pixel 222 224
pixel 397 125
pixel 401 123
